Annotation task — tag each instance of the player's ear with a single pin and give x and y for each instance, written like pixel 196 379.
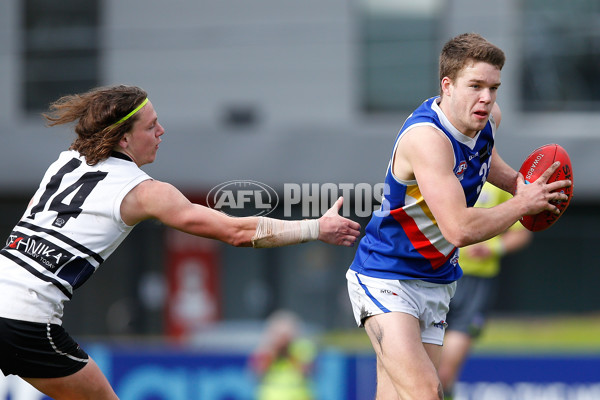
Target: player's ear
pixel 445 85
pixel 124 141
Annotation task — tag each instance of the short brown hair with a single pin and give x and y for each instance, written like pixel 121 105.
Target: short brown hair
pixel 460 50
pixel 96 112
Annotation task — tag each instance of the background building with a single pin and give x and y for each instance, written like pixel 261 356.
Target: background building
pixel 284 92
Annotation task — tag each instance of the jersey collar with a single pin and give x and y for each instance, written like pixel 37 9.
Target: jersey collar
pixel 120 155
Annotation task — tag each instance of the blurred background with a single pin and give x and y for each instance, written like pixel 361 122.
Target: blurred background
pixel 282 92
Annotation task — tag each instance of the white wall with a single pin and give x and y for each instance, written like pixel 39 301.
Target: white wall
pixel 295 62
pixel 9 52
pixel 292 60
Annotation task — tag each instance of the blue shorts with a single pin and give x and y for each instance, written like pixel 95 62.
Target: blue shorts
pixel 35 350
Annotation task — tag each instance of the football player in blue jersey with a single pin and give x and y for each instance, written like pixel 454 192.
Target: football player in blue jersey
pixel 406 266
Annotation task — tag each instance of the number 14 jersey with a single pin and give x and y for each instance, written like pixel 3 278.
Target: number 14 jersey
pixel 72 224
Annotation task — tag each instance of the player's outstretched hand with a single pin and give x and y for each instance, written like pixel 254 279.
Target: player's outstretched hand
pixel 335 229
pixel 541 194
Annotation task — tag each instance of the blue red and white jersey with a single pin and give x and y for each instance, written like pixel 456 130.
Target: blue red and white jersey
pixel 403 240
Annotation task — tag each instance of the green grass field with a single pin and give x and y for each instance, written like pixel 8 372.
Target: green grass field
pixel 542 334
pixel 551 334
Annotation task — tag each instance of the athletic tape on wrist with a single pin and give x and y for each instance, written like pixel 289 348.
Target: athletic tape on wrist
pixel 272 232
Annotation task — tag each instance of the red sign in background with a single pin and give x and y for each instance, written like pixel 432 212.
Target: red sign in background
pixel 193 282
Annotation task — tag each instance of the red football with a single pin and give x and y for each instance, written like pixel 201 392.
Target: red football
pixel 534 166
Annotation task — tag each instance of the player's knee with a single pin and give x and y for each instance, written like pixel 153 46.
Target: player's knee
pixel 440 392
pixel 433 391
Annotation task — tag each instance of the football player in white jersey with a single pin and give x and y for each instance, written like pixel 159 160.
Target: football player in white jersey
pixel 87 202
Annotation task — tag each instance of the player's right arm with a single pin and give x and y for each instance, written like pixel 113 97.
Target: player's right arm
pixel 425 154
pixel 164 202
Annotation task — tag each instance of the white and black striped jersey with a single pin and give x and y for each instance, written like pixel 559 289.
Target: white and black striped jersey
pixel 72 224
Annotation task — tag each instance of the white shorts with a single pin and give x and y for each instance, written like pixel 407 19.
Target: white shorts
pixel 428 302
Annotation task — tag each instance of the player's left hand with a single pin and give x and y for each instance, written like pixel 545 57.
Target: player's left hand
pixel 335 229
